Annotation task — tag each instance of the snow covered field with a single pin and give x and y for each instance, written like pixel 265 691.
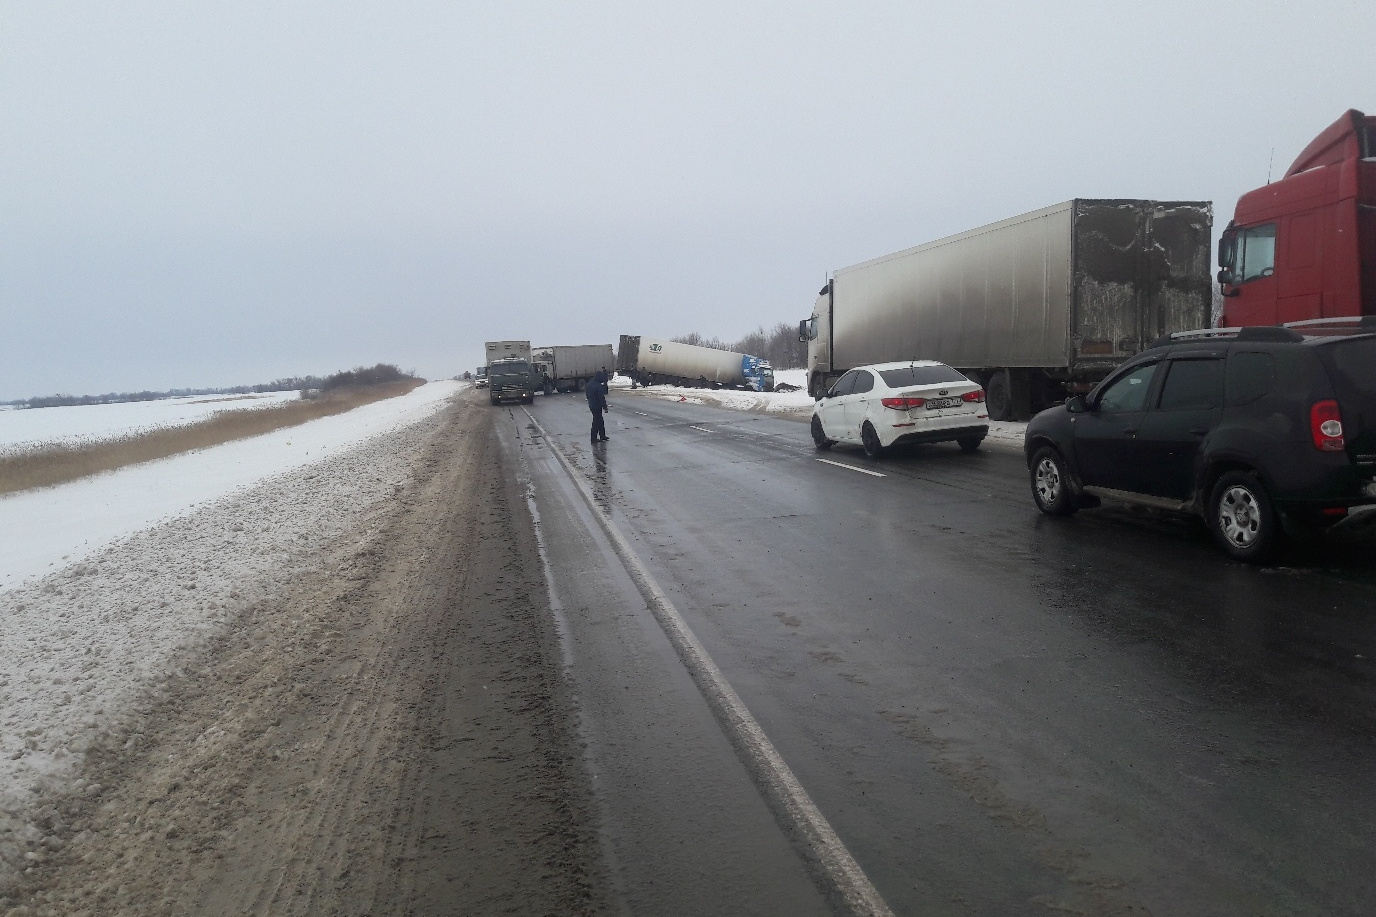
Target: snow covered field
pixel 104 581
pixel 25 429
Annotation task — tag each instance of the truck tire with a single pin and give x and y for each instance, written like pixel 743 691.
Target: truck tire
pixel 582 384
pixel 1051 483
pixel 870 440
pixel 549 387
pixel 1242 518
pixel 819 436
pixel 998 396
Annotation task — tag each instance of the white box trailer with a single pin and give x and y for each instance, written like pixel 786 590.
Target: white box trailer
pixel 649 361
pixel 569 368
pixel 1034 307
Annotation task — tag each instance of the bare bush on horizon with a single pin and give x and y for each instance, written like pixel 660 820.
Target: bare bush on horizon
pixel 46 466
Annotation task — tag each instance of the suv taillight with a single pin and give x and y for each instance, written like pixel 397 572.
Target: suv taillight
pixel 902 404
pixel 975 396
pixel 1326 426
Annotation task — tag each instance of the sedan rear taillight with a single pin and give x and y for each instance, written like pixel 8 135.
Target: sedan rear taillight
pixel 976 396
pixel 902 404
pixel 1326 426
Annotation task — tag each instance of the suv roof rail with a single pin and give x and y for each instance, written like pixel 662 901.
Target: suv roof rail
pixel 1357 321
pixel 1202 334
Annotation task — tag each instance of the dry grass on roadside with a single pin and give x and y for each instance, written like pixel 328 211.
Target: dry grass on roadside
pixel 46 466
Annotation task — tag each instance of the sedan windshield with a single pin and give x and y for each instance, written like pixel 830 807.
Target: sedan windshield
pixel 920 375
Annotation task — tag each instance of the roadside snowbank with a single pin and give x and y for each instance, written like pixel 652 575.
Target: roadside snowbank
pixel 84 644
pixel 86 423
pixel 795 403
pixel 41 530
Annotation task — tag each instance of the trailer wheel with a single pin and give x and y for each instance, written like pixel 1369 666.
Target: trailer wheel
pixel 998 396
pixel 819 436
pixel 582 384
pixel 549 387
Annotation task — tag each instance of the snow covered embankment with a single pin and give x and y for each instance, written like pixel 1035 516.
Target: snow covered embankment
pixel 84 644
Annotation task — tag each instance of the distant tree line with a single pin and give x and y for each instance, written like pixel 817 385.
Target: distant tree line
pixel 374 375
pixel 780 345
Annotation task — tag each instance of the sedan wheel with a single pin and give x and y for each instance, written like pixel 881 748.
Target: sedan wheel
pixel 1242 519
pixel 870 440
pixel 1051 483
pixel 819 435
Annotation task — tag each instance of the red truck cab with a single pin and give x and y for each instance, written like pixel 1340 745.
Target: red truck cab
pixel 1304 247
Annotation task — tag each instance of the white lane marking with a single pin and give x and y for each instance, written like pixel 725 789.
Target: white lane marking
pixel 877 474
pixel 830 863
pixel 701 430
pixel 641 413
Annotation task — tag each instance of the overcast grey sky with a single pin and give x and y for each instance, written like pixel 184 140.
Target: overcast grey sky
pixel 208 193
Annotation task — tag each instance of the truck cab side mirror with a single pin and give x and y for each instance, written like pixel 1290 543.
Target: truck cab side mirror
pixel 802 331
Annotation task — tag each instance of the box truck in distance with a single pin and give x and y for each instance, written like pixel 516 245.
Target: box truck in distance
pixel 510 376
pixel 571 368
pixel 1033 307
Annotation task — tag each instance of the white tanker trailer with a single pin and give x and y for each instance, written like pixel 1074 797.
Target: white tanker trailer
pixel 648 361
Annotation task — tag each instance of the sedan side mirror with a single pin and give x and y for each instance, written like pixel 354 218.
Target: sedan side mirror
pixel 1076 404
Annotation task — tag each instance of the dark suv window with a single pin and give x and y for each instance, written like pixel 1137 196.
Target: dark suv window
pixel 1250 376
pixel 1128 393
pixel 1193 385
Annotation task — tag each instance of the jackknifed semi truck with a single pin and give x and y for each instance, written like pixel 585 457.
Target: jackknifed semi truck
pixel 1034 308
pixel 571 368
pixel 650 361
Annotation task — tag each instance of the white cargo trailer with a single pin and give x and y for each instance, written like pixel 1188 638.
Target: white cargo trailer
pixel 649 361
pixel 1033 307
pixel 571 368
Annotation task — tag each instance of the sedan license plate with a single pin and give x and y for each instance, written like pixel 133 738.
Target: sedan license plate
pixel 936 404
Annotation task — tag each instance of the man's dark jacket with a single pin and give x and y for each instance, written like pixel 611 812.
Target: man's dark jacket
pixel 597 394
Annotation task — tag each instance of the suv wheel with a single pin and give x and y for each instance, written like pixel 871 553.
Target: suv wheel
pixel 870 440
pixel 1242 518
pixel 819 436
pixel 1051 483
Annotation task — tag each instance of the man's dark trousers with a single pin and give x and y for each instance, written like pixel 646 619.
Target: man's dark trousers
pixel 599 430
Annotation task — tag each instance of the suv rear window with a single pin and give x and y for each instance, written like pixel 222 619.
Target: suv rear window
pixel 1355 365
pixel 1250 376
pixel 920 375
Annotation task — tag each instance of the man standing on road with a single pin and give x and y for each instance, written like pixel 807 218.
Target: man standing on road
pixel 597 403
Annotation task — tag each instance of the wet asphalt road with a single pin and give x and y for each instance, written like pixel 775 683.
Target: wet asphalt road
pixel 998 712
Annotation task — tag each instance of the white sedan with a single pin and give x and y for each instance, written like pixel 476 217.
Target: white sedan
pixel 888 404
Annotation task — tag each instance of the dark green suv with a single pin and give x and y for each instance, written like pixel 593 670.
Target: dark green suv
pixel 1258 430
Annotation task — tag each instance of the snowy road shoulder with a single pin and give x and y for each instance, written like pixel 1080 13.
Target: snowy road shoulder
pixel 43 530
pixel 83 644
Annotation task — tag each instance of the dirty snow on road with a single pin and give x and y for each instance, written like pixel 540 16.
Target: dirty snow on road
pixel 146 563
